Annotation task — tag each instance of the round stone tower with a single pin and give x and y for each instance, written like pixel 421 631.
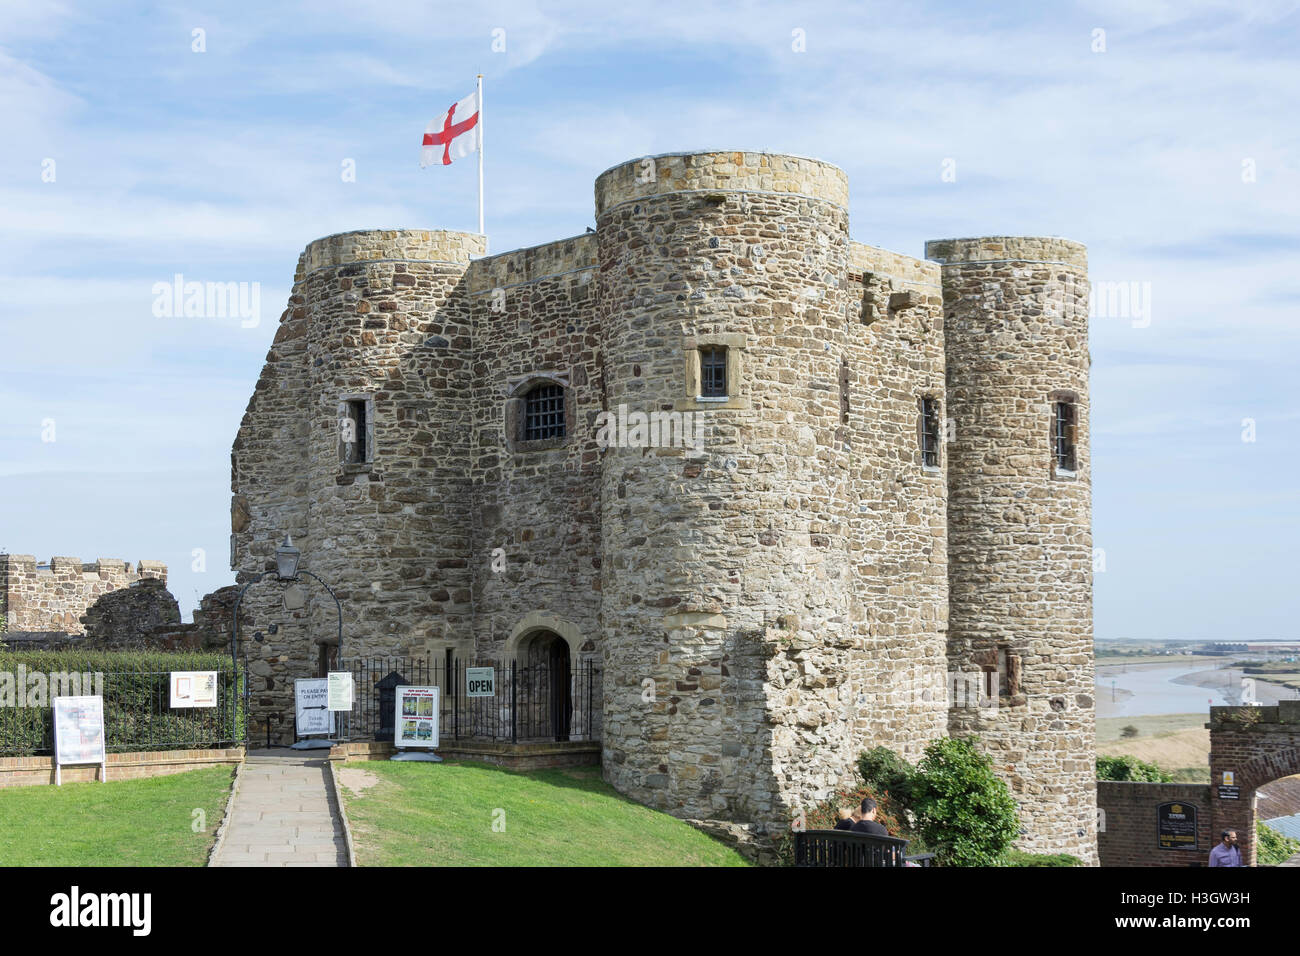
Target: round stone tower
pixel 389 360
pixel 1020 523
pixel 724 571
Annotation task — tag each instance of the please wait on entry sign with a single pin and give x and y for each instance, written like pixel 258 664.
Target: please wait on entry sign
pixel 480 682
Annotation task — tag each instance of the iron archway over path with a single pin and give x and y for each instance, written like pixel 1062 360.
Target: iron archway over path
pixel 1253 745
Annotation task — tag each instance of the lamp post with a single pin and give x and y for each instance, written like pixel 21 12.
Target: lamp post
pixel 286 571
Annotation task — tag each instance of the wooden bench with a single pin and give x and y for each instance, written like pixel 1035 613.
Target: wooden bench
pixel 846 848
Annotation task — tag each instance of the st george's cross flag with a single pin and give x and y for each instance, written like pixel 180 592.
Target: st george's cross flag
pixel 456 133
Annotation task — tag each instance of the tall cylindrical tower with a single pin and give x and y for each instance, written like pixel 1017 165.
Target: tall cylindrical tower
pixel 389 352
pixel 1020 522
pixel 724 573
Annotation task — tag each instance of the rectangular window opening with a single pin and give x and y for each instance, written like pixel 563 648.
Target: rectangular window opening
pixel 1064 421
pixel 713 372
pixel 355 439
pixel 929 433
pixel 544 413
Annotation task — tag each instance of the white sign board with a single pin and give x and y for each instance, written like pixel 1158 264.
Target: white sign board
pixel 311 706
pixel 194 688
pixel 417 717
pixel 79 733
pixel 480 682
pixel 340 690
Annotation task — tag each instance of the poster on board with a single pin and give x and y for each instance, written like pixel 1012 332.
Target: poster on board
pixel 417 717
pixel 311 706
pixel 194 688
pixel 340 690
pixel 79 734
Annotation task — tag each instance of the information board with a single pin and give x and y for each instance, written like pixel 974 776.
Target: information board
pixel 194 688
pixel 340 690
pixel 416 718
pixel 1176 826
pixel 480 682
pixel 311 706
pixel 79 734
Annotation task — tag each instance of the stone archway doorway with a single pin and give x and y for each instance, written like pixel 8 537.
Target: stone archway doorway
pixel 544 656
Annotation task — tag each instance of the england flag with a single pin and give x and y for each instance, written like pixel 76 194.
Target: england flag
pixel 455 134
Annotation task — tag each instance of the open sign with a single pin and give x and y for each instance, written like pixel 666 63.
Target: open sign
pixel 480 682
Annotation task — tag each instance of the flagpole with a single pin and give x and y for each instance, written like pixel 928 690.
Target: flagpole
pixel 481 230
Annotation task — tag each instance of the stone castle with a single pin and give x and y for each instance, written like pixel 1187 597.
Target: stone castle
pixel 889 482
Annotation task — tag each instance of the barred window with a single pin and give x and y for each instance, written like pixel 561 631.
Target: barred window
pixel 544 413
pixel 1064 419
pixel 713 372
pixel 929 432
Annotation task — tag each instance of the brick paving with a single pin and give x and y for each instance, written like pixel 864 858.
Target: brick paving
pixel 284 813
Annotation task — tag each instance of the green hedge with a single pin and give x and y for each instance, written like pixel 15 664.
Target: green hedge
pixel 136 689
pixel 1130 768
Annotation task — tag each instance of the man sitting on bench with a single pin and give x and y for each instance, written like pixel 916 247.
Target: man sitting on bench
pixel 868 822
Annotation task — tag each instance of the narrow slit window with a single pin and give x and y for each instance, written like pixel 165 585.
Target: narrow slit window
pixel 713 372
pixel 354 438
pixel 929 433
pixel 1064 421
pixel 544 413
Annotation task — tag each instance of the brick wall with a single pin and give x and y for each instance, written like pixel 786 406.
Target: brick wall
pixel 34 771
pixel 1127 832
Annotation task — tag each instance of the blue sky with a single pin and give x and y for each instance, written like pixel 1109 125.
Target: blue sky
pixel 222 165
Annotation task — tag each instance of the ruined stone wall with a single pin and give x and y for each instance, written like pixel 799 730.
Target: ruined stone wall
pixel 724 576
pixel 1019 536
pixel 270 498
pixel 54 597
pixel 535 321
pixel 898 543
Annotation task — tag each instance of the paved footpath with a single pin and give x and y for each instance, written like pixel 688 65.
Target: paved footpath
pixel 283 814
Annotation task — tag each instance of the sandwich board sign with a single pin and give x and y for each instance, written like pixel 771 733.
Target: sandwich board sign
pixel 416 717
pixel 194 688
pixel 480 682
pixel 79 734
pixel 311 706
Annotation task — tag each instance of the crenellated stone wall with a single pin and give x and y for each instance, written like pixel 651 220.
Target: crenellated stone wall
pixel 54 597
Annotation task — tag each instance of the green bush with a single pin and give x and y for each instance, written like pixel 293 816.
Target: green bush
pixel 1129 731
pixel 1130 768
pixel 886 771
pixel 963 812
pixel 136 689
pixel 1273 848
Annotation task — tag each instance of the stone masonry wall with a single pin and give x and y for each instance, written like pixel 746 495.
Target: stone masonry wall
pixel 725 576
pixel 54 597
pixel 765 607
pixel 898 544
pixel 535 321
pixel 1019 535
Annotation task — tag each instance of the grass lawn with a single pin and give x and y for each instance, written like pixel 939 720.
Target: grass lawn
pixel 119 823
pixel 423 814
pixel 1110 728
pixel 1178 743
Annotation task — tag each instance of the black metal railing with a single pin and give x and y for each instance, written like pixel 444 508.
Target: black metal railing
pixel 530 702
pixel 137 712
